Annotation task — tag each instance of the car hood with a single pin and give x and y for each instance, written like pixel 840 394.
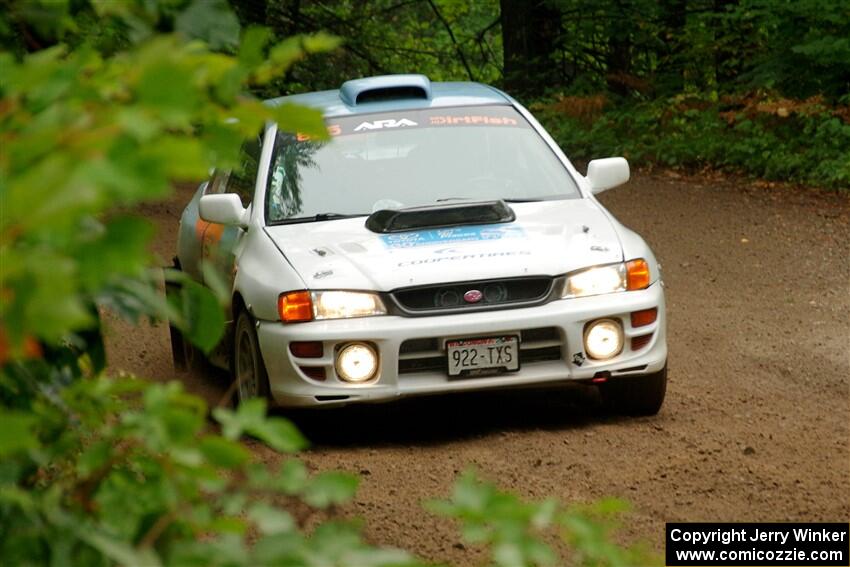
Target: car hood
pixel 547 238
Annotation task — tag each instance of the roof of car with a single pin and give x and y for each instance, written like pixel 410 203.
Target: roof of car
pixel 346 100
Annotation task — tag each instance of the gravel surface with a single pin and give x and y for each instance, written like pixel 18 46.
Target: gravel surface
pixel 755 426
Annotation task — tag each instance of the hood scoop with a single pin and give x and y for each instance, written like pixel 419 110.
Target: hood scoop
pixel 440 216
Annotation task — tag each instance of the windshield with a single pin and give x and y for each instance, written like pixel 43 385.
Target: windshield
pixel 410 158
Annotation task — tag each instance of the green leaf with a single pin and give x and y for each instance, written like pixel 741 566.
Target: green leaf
pixel 193 164
pixel 545 514
pixel 235 423
pixel 119 249
pixel 224 452
pixel 94 457
pixel 203 317
pixel 280 434
pixel 285 53
pixel 166 88
pixel 321 41
pixel 294 118
pixel 211 21
pixel 250 417
pixel 330 488
pixel 292 477
pixel 270 520
pixel 16 432
pixel 216 282
pixel 118 550
pixel 230 525
pixel 254 42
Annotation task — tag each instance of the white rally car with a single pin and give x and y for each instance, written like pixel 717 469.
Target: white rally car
pixel 439 242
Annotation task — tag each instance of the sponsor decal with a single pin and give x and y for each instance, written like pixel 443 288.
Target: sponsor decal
pixel 209 234
pixel 578 358
pixel 333 130
pixel 388 123
pixel 462 257
pixel 472 121
pixel 499 116
pixel 452 234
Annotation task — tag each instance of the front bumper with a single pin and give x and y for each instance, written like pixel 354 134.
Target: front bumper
pixel 552 349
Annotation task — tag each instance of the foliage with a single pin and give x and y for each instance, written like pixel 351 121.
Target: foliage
pixel 643 57
pixel 512 528
pixel 98 471
pixel 121 471
pixel 781 140
pixel 99 111
pixel 84 133
pixel 124 471
pixel 447 39
pixel 636 48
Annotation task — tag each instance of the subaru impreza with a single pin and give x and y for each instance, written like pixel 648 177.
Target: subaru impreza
pixel 439 241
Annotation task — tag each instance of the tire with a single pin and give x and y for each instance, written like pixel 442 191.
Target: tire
pixel 178 343
pixel 185 356
pixel 636 395
pixel 247 369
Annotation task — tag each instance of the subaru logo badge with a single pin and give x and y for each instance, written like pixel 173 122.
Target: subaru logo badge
pixel 473 296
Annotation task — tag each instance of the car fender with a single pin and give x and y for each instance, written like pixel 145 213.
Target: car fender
pixel 262 274
pixel 634 246
pixel 188 241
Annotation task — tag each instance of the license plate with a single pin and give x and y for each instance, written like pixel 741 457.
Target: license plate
pixel 488 355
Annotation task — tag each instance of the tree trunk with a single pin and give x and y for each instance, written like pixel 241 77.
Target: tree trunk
pixel 530 35
pixel 619 62
pixel 671 71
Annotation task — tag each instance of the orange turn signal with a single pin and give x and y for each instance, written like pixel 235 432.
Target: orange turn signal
pixel 637 274
pixel 644 317
pixel 295 307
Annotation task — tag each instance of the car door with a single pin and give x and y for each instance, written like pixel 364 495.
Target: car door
pixel 218 241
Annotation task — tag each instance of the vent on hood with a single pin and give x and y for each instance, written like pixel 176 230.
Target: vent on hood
pixel 387 87
pixel 439 216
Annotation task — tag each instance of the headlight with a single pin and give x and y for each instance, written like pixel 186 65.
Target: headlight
pixel 346 304
pixel 595 281
pixel 299 306
pixel 630 275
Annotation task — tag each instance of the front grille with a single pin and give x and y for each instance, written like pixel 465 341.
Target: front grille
pixel 473 295
pixel 541 344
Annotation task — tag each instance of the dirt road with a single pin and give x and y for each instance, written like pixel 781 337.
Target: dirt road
pixel 756 426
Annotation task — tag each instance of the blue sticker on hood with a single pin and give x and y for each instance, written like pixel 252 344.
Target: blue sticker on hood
pixel 450 235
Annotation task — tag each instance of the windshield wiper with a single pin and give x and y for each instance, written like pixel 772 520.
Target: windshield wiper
pixel 505 200
pixel 316 218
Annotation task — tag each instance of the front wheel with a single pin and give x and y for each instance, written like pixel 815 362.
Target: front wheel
pixel 636 395
pixel 247 369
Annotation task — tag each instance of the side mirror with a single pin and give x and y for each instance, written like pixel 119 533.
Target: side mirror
pixel 607 173
pixel 224 209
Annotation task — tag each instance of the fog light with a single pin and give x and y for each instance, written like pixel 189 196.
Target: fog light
pixel 356 363
pixel 603 339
